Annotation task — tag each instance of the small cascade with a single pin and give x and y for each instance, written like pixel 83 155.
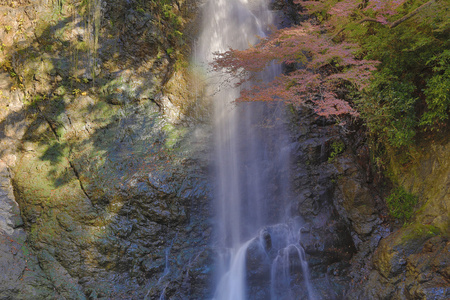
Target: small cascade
pixel 165 273
pixel 162 296
pixel 232 284
pixel 256 260
pixel 167 264
pixel 290 266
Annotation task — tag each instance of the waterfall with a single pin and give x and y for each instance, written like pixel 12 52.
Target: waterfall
pixel 251 166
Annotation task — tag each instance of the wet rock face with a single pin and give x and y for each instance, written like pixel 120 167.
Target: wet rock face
pixel 326 233
pixel 408 268
pixel 114 198
pixel 430 268
pixel 286 12
pixel 352 249
pixel 408 264
pixel 123 212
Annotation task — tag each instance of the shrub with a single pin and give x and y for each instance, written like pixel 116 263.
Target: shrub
pixel 337 148
pixel 401 204
pixel 438 91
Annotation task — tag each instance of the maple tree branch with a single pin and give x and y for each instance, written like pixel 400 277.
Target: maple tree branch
pixel 411 14
pixel 390 24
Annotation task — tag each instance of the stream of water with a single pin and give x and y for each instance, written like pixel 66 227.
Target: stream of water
pixel 258 245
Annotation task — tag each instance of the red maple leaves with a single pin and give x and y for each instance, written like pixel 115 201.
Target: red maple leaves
pixel 319 64
pixel 319 67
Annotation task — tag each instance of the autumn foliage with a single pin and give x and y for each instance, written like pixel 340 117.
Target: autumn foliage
pixel 371 49
pixel 320 67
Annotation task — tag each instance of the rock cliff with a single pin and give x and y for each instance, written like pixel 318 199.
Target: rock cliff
pixel 113 192
pixel 105 188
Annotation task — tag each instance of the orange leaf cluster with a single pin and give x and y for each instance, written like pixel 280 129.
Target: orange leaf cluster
pixel 320 67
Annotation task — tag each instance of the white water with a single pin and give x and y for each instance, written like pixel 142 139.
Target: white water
pixel 290 256
pixel 252 160
pixel 232 284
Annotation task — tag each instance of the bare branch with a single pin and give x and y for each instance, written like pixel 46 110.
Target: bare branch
pixel 390 24
pixel 411 14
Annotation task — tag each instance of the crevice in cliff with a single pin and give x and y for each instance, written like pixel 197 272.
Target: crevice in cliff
pixel 77 175
pixel 75 171
pixel 52 128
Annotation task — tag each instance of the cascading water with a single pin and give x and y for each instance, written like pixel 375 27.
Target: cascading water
pixel 256 261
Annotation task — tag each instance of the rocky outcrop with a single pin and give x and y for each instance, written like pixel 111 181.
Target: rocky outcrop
pixel 412 263
pixel 21 274
pixel 354 250
pixel 121 211
pixel 337 202
pixel 113 192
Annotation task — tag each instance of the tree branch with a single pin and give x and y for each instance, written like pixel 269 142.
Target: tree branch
pixel 359 22
pixel 411 14
pixel 390 24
